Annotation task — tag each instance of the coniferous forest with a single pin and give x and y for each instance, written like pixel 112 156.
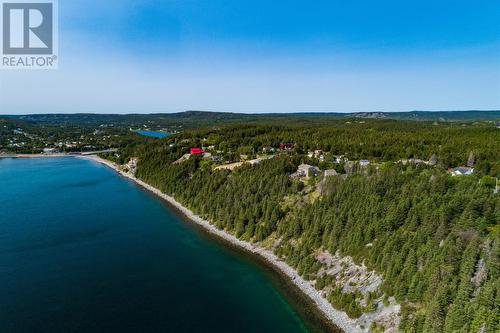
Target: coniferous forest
pixel 434 238
pixel 336 164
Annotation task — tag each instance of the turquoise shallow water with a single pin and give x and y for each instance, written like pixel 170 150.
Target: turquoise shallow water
pixel 84 250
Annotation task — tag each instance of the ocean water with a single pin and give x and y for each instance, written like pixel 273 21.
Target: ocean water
pixel 153 134
pixel 85 250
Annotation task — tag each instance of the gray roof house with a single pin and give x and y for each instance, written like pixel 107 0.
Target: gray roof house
pixel 306 171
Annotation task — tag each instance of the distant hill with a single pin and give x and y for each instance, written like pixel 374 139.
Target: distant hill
pixel 188 119
pixel 433 115
pixel 192 119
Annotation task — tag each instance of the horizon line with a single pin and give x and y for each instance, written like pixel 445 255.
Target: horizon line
pixel 250 113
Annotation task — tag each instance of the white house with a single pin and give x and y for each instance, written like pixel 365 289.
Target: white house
pixel 461 171
pixel 318 153
pixel 339 159
pixel 50 150
pixel 364 163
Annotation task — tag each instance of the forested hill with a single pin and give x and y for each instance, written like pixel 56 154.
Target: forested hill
pixel 433 238
pixel 196 119
pixel 433 115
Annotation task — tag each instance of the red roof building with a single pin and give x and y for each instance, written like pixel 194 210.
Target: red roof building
pixel 197 151
pixel 286 145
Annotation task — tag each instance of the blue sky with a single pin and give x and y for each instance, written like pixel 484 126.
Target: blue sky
pixel 122 56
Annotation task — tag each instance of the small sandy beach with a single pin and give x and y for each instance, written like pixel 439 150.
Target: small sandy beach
pixel 338 318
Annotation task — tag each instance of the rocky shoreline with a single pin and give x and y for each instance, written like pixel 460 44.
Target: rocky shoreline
pixel 338 318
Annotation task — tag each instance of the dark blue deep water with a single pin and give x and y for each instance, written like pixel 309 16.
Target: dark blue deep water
pixel 84 250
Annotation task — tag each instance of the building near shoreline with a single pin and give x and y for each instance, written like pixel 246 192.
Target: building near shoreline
pixel 50 150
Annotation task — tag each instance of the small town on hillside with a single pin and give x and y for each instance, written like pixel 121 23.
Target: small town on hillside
pixel 318 165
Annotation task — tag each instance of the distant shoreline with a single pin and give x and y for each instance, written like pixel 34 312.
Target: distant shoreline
pixel 35 155
pixel 56 155
pixel 338 318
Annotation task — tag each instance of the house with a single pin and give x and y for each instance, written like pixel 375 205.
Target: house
pixel 286 145
pixel 50 150
pixel 132 165
pixel 364 163
pixel 339 159
pixel 316 154
pixel 330 173
pixel 461 171
pixel 306 171
pixel 196 151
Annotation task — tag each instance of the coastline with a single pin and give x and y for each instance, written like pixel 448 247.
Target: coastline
pixel 35 155
pixel 57 155
pixel 338 318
